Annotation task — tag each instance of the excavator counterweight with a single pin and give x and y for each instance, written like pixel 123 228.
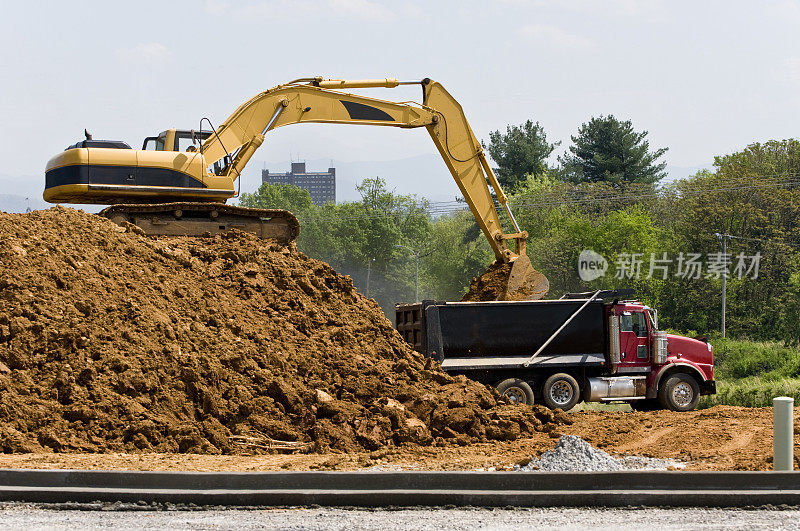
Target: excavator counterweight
pixel 178 183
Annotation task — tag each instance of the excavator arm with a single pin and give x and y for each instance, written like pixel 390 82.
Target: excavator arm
pixel 313 100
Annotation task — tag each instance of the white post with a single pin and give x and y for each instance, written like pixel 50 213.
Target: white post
pixel 724 279
pixel 783 433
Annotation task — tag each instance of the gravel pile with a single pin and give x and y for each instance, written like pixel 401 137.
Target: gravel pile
pixel 573 454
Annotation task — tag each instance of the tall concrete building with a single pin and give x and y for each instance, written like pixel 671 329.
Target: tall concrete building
pixel 321 185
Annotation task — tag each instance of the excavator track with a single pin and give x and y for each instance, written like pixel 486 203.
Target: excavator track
pixel 206 219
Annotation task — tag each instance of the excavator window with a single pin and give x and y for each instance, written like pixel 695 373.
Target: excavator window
pixel 153 143
pixel 184 139
pixel 182 143
pixel 221 166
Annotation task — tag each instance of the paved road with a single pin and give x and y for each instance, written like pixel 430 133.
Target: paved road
pixel 23 516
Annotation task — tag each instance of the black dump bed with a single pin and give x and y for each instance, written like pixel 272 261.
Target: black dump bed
pixel 489 334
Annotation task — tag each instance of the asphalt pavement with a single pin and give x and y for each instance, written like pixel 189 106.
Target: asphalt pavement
pixel 131 518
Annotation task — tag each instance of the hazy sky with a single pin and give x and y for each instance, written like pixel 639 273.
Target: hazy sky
pixel 705 78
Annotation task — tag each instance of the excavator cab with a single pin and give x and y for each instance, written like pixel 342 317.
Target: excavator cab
pixel 185 140
pixel 175 140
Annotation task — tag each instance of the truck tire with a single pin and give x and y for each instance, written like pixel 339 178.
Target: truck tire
pixel 561 391
pixel 679 393
pixel 516 390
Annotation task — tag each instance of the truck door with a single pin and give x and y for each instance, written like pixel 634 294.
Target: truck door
pixel 634 334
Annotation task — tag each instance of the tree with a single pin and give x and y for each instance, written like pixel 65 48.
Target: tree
pixel 446 272
pixel 521 151
pixel 607 149
pixel 752 196
pixel 285 196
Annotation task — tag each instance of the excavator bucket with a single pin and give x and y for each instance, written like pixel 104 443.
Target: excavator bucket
pixel 524 282
pixel 513 281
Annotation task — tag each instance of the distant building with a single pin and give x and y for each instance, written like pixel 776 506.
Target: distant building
pixel 321 185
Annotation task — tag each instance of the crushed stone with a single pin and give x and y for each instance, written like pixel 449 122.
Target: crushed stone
pixel 573 454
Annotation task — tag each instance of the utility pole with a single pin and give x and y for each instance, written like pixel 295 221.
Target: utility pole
pixel 369 272
pixel 723 238
pixel 417 254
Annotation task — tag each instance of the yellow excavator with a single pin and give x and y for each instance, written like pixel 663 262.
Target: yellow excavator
pixel 178 183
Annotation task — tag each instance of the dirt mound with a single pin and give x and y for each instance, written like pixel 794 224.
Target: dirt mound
pixel 517 281
pixel 113 341
pixel 489 286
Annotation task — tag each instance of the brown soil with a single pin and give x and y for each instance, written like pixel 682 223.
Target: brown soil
pixel 517 281
pixel 489 286
pixel 111 341
pixel 721 438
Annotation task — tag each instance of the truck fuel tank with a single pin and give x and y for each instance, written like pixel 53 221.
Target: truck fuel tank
pixel 609 388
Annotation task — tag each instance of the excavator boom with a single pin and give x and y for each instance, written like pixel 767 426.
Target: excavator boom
pixel 207 173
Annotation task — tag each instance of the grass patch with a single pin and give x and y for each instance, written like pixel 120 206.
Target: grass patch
pixel 752 392
pixel 602 406
pixel 770 360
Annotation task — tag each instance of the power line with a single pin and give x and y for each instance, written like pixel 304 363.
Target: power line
pixel 454 206
pixel 762 240
pixel 448 207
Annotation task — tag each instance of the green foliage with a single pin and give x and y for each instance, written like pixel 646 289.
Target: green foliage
pixel 742 197
pixel 752 392
pixel 623 231
pixel 522 150
pixel 607 149
pixel 358 238
pixel 448 270
pixel 768 360
pixel 775 157
pixel 573 218
pixel 282 196
pixel 752 373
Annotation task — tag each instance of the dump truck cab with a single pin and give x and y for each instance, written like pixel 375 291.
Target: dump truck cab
pixel 642 349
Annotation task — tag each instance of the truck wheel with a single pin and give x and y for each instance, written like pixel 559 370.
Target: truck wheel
pixel 679 393
pixel 516 390
pixel 561 391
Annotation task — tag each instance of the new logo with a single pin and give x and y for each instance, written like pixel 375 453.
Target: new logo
pixel 591 265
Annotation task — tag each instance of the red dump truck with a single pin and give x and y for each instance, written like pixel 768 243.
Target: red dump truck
pixel 597 347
